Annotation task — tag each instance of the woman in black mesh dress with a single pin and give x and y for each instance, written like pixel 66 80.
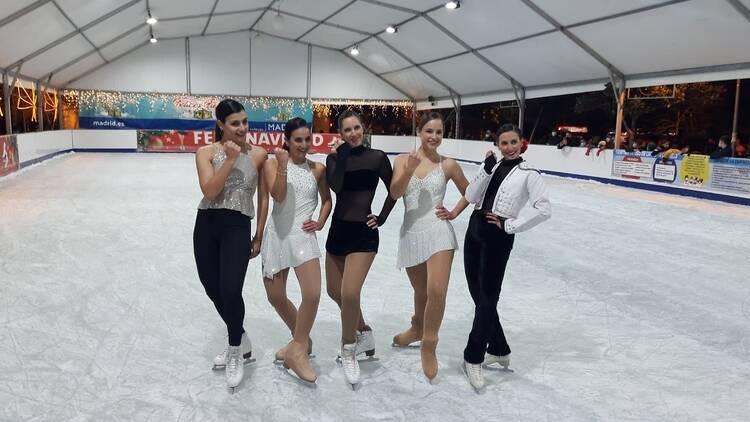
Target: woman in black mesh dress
pixel 353 172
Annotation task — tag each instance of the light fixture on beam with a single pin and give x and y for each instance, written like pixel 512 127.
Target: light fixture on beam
pixel 153 40
pixel 391 29
pixel 354 51
pixel 150 19
pixel 451 5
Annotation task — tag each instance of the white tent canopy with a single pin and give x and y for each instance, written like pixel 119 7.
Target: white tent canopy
pixel 486 50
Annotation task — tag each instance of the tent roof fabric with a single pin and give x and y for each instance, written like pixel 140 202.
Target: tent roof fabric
pixel 484 47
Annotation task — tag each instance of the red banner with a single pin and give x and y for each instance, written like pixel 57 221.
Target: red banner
pixel 190 141
pixel 8 155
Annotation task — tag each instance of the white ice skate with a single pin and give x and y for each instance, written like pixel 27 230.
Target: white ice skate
pixel 365 344
pixel 503 360
pixel 235 369
pixel 474 374
pixel 220 361
pixel 349 363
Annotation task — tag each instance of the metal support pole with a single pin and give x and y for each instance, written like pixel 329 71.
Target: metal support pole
pixel 59 110
pixel 6 104
pixel 618 122
pixel 188 77
pixel 414 118
pixel 458 118
pixel 39 106
pixel 521 108
pixel 736 112
pixel 309 71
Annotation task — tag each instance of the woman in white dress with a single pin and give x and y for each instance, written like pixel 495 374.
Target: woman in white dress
pixel 290 242
pixel 427 241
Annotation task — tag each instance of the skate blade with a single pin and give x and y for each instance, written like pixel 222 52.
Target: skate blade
pixel 246 361
pixel 415 345
pixel 301 381
pixel 497 368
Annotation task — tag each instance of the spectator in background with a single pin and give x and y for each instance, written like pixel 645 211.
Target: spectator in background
pixel 710 146
pixel 565 142
pixel 554 139
pixel 724 149
pixel 651 146
pixel 663 146
pixel 488 136
pixel 740 151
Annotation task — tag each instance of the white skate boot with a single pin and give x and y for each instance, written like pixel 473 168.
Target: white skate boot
pixel 235 369
pixel 220 361
pixel 474 374
pixel 503 360
pixel 349 363
pixel 365 343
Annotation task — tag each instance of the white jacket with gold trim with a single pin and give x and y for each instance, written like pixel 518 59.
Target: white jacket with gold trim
pixel 523 185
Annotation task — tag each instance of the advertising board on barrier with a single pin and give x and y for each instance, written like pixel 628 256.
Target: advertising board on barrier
pixel 694 171
pixel 191 140
pixel 8 154
pixel 114 110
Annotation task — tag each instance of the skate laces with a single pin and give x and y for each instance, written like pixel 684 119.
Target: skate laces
pixel 475 371
pixel 233 360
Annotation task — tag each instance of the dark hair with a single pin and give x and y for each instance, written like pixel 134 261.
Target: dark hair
pixel 427 117
pixel 223 110
pixel 347 114
pixel 508 127
pixel 725 139
pixel 292 125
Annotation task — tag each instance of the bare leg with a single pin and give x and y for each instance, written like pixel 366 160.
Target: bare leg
pixel 276 293
pixel 418 278
pixel 356 269
pixel 438 274
pixel 296 354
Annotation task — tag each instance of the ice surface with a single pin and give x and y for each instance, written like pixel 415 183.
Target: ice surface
pixel 626 305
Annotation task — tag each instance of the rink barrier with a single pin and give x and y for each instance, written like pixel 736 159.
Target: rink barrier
pixel 36 147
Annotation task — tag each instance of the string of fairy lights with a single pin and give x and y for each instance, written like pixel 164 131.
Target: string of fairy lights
pixel 150 102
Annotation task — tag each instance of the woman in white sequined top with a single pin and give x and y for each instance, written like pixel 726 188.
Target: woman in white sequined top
pixel 229 174
pixel 428 242
pixel 290 242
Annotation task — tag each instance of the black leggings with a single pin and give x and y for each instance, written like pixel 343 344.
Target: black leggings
pixel 221 245
pixel 486 252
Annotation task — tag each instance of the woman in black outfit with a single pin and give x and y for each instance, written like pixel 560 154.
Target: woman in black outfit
pixel 500 190
pixel 352 173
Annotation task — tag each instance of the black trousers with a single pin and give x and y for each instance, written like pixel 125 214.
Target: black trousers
pixel 221 245
pixel 486 252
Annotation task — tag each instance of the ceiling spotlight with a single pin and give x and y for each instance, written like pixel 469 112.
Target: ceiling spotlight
pixel 354 51
pixel 391 29
pixel 151 20
pixel 453 5
pixel 153 40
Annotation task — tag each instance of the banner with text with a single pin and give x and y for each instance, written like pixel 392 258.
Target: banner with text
pixel 693 171
pixel 191 140
pixel 8 154
pixel 124 110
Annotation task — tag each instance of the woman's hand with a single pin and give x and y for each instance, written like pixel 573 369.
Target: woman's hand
pixel 372 221
pixel 232 150
pixel 310 226
pixel 496 220
pixel 255 246
pixel 442 213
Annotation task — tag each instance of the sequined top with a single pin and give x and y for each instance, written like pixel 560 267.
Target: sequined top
pixel 239 188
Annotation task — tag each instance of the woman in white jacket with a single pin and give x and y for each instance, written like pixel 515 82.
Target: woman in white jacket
pixel 500 191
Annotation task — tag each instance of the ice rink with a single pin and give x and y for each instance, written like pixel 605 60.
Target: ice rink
pixel 625 306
